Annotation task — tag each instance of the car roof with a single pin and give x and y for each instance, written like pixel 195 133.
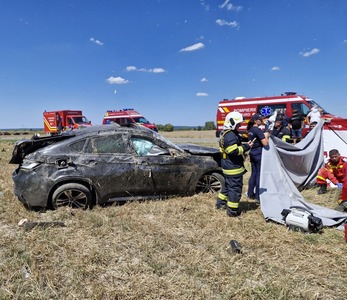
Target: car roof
pixel 27 146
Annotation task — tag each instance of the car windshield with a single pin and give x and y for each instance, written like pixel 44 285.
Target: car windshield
pixel 141 120
pixel 168 142
pixel 313 103
pixel 80 120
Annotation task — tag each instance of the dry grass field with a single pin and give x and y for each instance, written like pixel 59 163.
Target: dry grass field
pixel 173 249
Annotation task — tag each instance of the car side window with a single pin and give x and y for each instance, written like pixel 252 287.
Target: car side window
pixel 107 144
pixel 141 146
pixel 118 121
pixel 77 146
pixel 127 121
pixel 303 108
pixel 145 147
pixel 268 110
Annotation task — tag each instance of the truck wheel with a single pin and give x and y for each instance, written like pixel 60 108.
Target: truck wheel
pixel 74 195
pixel 210 183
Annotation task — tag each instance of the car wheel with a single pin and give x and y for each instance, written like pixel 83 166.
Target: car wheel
pixel 210 183
pixel 73 195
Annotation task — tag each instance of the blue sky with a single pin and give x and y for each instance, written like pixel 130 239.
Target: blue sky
pixel 172 60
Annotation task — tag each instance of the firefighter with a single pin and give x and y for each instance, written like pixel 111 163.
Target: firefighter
pixel 280 130
pixel 59 123
pixel 232 164
pixel 342 202
pixel 260 140
pixel 333 170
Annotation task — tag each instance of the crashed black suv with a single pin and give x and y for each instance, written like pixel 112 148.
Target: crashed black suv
pixel 109 163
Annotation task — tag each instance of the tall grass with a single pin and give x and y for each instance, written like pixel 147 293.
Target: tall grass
pixel 173 249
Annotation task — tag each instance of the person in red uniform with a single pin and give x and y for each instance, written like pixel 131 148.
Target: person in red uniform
pixel 333 170
pixel 342 202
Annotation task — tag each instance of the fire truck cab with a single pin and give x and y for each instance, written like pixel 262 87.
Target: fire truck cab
pixel 127 116
pixel 266 106
pixel 56 121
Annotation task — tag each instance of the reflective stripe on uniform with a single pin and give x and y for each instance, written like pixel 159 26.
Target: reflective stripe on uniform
pixel 234 171
pixel 233 148
pixel 321 178
pixel 336 167
pixel 222 196
pixel 241 150
pixel 233 205
pixel 285 138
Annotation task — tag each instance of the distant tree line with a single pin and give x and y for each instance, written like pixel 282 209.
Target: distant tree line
pixel 169 127
pixel 166 127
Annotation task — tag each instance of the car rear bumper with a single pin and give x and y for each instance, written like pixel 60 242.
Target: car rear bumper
pixel 30 191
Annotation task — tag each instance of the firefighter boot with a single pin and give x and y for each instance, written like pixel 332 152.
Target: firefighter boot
pixel 323 189
pixel 221 204
pixel 231 212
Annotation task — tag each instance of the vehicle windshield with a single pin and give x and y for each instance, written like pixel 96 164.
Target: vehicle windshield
pixel 141 120
pixel 313 103
pixel 80 120
pixel 171 144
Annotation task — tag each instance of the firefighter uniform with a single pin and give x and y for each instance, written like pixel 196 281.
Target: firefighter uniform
pixel 233 169
pixel 282 133
pixel 342 202
pixel 335 172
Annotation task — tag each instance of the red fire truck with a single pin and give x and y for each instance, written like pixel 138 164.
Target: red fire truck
pixel 267 106
pixel 127 116
pixel 56 121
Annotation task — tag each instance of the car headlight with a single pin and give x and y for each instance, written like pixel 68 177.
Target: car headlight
pixel 29 165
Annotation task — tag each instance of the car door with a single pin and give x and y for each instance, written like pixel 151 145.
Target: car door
pixel 172 172
pixel 113 168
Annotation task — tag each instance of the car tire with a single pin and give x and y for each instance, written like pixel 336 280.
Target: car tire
pixel 73 195
pixel 210 183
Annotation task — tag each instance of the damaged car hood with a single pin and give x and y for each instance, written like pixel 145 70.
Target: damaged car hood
pixel 199 150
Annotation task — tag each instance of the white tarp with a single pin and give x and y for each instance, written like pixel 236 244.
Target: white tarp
pixel 335 135
pixel 335 139
pixel 286 169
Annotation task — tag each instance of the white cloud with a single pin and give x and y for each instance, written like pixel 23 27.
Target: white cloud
pixel 130 68
pixel 275 68
pixel 309 53
pixel 194 47
pixel 154 70
pixel 157 70
pixel 116 80
pixel 204 79
pixel 222 22
pixel 230 6
pixel 206 6
pixel 98 42
pixel 201 94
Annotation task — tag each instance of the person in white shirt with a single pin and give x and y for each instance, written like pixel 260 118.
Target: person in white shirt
pixel 314 115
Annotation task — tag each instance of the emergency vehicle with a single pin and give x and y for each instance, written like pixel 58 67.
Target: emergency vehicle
pixel 266 106
pixel 127 116
pixel 59 120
